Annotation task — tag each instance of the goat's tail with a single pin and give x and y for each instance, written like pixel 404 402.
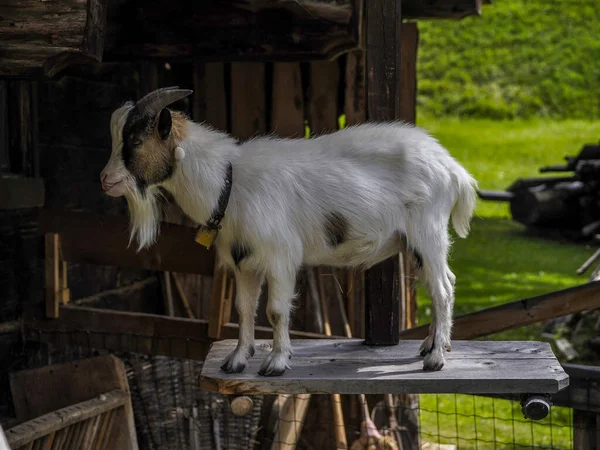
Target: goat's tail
pixel 466 200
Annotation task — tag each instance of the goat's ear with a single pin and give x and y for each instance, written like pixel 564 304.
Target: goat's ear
pixel 164 124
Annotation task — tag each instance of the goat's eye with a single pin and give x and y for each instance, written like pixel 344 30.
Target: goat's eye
pixel 136 142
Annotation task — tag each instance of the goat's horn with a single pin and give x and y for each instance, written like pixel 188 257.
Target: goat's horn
pixel 156 100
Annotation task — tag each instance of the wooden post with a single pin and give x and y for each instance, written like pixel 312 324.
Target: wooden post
pixel 382 286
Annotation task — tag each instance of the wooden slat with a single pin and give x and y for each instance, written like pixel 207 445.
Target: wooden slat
pixel 287 117
pixel 137 332
pixel 519 313
pixel 323 107
pixel 350 367
pixel 98 239
pixel 355 96
pixel 52 36
pixel 220 309
pixel 383 40
pixel 408 72
pixel 52 265
pixel 247 99
pixel 292 410
pixel 46 424
pixel 21 192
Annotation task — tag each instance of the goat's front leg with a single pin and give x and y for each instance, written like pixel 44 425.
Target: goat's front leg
pixel 281 294
pixel 248 285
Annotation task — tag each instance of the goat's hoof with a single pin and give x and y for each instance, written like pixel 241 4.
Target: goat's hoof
pixel 433 361
pixel 236 362
pixel 275 364
pixel 230 368
pixel 271 372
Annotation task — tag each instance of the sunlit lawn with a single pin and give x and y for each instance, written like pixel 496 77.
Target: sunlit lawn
pixel 499 263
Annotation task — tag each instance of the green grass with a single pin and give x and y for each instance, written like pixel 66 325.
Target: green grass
pixel 499 263
pixel 521 58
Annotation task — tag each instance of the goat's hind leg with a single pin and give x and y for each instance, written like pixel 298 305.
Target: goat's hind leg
pixel 440 283
pixel 248 286
pixel 279 306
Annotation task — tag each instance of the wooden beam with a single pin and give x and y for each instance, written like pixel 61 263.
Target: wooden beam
pixel 519 313
pixel 137 332
pixel 104 240
pixel 234 30
pixel 440 9
pixel 383 39
pixel 287 117
pixel 17 192
pixel 30 431
pixel 408 72
pixel 52 264
pixel 50 35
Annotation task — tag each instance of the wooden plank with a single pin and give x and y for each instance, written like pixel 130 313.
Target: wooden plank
pixel 409 35
pixel 355 95
pixel 51 35
pixel 4 132
pixel 292 410
pixel 441 9
pixel 289 30
pixel 174 250
pixel 586 430
pixel 287 117
pixel 350 367
pixel 31 395
pixel 52 264
pixel 216 100
pixel 21 192
pixel 247 99
pixel 219 308
pixel 64 417
pixel 152 334
pixel 383 40
pixel 519 313
pixel 323 106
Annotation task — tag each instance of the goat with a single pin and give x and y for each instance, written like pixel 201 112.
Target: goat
pixel 345 199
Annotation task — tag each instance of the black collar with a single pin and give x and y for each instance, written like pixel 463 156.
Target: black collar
pixel 218 214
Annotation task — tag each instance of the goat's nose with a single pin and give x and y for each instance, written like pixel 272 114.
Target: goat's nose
pixel 103 177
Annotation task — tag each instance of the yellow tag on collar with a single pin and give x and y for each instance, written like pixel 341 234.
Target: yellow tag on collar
pixel 206 236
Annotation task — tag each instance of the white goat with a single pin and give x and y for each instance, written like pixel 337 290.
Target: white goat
pixel 345 199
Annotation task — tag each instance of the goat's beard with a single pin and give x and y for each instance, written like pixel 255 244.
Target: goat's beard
pixel 144 215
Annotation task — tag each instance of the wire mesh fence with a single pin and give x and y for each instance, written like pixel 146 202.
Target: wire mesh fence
pixel 171 411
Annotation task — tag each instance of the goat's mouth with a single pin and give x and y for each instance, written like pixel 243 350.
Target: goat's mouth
pixel 115 189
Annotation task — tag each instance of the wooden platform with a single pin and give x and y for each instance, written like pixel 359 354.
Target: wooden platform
pixel 351 367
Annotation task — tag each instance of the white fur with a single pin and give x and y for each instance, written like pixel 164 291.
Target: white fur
pixel 386 180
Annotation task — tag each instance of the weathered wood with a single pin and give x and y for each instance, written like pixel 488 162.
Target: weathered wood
pixel 409 35
pixel 247 99
pixel 323 107
pixel 4 133
pixel 383 39
pixel 65 417
pixel 137 332
pixel 287 116
pixel 519 313
pixel 104 240
pixel 220 310
pixel 355 96
pixel 52 264
pixel 51 35
pixel 21 192
pixel 441 9
pixel 235 30
pixel 87 378
pixel 586 430
pixel 350 367
pixel 292 411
